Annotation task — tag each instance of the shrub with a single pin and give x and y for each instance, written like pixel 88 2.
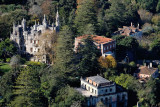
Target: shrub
pixel 8 60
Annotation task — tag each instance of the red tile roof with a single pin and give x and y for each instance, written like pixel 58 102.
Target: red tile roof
pixel 97 39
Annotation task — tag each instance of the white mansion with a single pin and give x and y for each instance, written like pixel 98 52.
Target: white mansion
pixel 27 38
pixel 97 89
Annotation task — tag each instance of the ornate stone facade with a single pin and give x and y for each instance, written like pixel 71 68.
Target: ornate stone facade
pixel 27 38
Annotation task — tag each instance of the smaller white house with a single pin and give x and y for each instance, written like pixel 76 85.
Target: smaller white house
pixel 97 88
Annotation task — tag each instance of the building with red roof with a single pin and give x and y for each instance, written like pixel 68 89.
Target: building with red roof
pixel 106 45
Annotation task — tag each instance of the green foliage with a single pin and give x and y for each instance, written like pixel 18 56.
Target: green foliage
pixel 149 96
pixel 9 8
pixel 88 55
pixel 67 96
pixel 27 90
pixel 148 5
pixel 66 7
pixel 156 20
pixel 85 15
pixel 64 51
pixel 6 21
pixel 124 44
pixel 155 48
pixel 6 86
pixel 8 60
pixel 32 63
pixel 5 67
pixel 124 15
pixel 132 85
pixel 7 49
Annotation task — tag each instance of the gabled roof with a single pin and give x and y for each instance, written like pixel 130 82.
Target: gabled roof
pixel 97 39
pixel 146 70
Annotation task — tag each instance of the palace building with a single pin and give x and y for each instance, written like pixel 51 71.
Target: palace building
pixel 27 39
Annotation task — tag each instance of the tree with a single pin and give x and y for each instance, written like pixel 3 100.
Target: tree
pixel 124 45
pixel 67 96
pixel 66 7
pixel 85 15
pixel 15 62
pixel 149 95
pixel 48 41
pixel 64 51
pixel 88 58
pixel 27 90
pixel 7 49
pixel 6 86
pixel 132 85
pixel 145 15
pixel 155 48
pixel 156 20
pixel 107 62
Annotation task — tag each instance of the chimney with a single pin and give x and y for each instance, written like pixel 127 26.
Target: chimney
pixel 138 26
pixel 131 24
pixel 150 64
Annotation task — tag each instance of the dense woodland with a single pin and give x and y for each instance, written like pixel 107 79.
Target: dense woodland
pixel 41 85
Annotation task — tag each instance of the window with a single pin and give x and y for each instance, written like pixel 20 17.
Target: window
pixel 110 99
pixel 38 50
pixel 106 90
pixel 104 48
pixel 31 49
pixel 95 91
pixel 34 41
pixel 106 100
pixel 107 47
pixel 110 89
pixel 101 99
pixel 92 90
pixel 31 40
pixel 123 97
pixel 24 48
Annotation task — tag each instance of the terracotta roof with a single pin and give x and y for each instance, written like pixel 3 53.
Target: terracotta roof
pixel 146 70
pixel 97 39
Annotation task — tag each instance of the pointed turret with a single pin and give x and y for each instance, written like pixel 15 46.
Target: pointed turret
pixel 14 28
pixel 23 23
pixel 44 22
pixel 57 21
pixel 35 25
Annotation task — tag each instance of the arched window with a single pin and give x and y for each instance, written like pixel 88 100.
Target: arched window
pixel 106 100
pixel 110 99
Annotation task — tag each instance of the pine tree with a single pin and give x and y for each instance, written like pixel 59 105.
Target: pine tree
pixel 27 90
pixel 86 14
pixel 88 58
pixel 64 51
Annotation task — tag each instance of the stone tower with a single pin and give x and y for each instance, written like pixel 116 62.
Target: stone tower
pixel 23 23
pixel 44 22
pixel 57 22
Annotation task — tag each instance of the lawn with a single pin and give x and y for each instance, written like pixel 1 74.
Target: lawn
pixel 4 67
